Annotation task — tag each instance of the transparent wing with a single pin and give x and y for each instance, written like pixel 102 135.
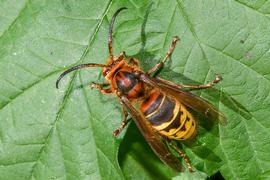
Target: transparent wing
pixel 192 101
pixel 154 140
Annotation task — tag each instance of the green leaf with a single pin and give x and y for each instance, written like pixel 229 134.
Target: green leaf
pixel 47 133
pixel 188 176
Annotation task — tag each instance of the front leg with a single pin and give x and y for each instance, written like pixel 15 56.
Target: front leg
pixel 100 87
pixel 123 123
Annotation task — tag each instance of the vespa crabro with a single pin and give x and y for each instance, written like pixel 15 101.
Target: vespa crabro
pixel 163 114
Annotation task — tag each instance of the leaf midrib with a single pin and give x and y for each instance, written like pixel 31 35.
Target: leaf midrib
pixel 70 85
pixel 15 19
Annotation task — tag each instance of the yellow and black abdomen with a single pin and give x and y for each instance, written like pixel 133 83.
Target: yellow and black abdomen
pixel 168 116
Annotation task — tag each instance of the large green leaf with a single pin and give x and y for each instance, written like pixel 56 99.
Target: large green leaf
pixel 47 133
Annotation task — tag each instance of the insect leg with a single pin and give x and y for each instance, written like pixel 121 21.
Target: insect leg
pixel 169 83
pixel 134 62
pixel 100 87
pixel 169 52
pixel 183 155
pixel 123 123
pixel 204 86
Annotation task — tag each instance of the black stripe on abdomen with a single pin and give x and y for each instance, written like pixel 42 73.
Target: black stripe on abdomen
pixel 176 122
pixel 154 105
pixel 164 113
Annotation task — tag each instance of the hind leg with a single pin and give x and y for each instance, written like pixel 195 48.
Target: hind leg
pixel 183 155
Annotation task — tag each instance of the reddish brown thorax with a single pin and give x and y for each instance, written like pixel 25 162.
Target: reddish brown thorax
pixel 122 78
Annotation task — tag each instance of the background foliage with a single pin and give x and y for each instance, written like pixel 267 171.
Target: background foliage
pixel 47 133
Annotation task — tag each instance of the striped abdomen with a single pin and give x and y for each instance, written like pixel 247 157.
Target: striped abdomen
pixel 168 116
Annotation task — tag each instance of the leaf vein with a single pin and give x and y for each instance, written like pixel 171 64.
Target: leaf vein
pixel 224 150
pixel 252 8
pixel 60 111
pixel 29 87
pixel 236 60
pixel 191 28
pixel 15 20
pixel 42 59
